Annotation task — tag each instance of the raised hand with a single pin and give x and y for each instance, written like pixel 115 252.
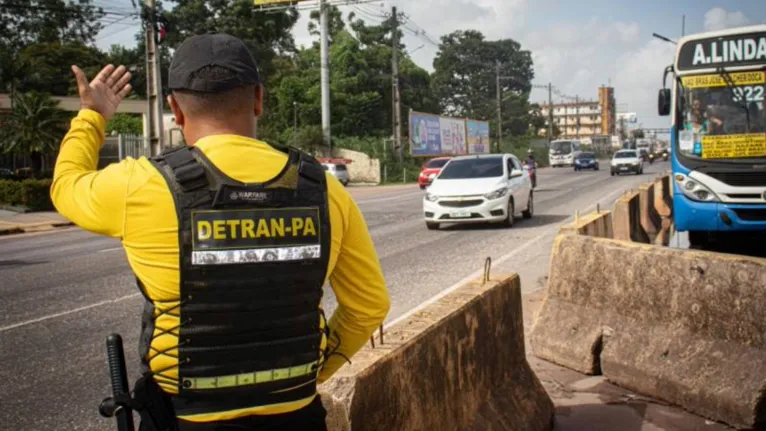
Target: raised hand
pixel 105 92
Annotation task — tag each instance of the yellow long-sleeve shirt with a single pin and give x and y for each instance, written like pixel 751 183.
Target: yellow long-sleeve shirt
pixel 130 200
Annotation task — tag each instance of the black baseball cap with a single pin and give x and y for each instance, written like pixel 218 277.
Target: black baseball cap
pixel 212 49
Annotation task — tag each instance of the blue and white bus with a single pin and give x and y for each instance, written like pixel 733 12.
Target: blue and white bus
pixel 718 133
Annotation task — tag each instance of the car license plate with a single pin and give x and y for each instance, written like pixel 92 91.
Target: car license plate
pixel 623 168
pixel 460 214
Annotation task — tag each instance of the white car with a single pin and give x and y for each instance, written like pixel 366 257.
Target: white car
pixel 479 189
pixel 627 161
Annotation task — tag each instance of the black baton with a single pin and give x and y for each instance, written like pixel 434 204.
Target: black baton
pixel 118 375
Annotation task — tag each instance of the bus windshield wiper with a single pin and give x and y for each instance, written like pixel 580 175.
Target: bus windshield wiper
pixel 732 89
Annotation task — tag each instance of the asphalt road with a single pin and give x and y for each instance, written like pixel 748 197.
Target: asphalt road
pixel 62 293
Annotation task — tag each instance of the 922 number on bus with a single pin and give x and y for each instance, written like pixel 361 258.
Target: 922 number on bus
pixel 751 93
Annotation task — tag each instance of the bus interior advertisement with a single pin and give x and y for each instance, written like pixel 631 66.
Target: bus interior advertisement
pixel 723 116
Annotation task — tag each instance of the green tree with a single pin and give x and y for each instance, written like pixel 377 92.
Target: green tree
pixel 465 75
pixel 125 124
pixel 28 22
pixel 34 128
pixel 46 66
pixel 361 91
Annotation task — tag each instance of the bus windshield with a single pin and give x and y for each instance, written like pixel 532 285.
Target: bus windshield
pixel 561 147
pixel 723 118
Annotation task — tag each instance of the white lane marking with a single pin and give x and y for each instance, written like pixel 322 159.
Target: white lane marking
pixel 465 280
pixel 110 249
pixel 64 313
pixel 502 259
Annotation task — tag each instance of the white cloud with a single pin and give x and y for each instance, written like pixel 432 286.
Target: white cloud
pixel 720 19
pixel 639 76
pixel 628 31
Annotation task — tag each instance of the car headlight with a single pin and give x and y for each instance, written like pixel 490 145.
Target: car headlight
pixel 635 163
pixel 497 194
pixel 694 190
pixel 430 197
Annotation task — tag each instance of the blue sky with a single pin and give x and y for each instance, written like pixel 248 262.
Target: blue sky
pixel 576 45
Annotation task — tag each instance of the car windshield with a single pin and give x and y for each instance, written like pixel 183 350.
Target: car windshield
pixel 585 156
pixel 723 116
pixel 435 164
pixel 489 167
pixel 561 147
pixel 341 168
pixel 625 154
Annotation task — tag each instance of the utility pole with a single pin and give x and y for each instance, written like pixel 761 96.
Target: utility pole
pixel 153 79
pixel 395 80
pixel 499 109
pixel 683 26
pixel 550 114
pixel 324 18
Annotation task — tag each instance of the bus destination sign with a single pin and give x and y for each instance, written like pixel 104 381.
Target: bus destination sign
pixel 727 51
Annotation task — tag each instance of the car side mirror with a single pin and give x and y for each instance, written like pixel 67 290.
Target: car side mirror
pixel 516 173
pixel 663 102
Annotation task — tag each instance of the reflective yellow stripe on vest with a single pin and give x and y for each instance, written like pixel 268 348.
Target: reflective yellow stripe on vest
pixel 247 379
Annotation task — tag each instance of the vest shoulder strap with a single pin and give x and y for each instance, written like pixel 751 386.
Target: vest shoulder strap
pixel 186 177
pixel 189 174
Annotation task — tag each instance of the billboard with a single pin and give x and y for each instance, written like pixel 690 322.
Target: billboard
pixel 432 135
pixel 425 134
pixel 478 137
pixel 452 136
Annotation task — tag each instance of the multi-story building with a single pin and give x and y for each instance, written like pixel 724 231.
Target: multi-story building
pixel 584 118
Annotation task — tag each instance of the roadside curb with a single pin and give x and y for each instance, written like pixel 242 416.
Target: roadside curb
pixel 14 229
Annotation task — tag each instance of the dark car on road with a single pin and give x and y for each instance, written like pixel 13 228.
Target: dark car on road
pixel 586 160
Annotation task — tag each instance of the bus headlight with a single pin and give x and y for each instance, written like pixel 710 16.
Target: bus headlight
pixel 694 190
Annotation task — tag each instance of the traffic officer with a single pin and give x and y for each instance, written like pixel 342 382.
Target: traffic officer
pixel 231 242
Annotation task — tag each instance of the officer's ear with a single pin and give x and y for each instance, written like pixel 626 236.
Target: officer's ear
pixel 258 108
pixel 177 114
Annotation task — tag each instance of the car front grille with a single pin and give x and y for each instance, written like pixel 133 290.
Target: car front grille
pixel 473 216
pixel 461 203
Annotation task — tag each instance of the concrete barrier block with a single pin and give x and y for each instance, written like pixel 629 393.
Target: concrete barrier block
pixel 626 219
pixel 663 199
pixel 651 222
pixel 683 326
pixel 596 224
pixel 458 364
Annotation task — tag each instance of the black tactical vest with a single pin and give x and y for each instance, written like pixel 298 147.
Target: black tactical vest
pixel 253 260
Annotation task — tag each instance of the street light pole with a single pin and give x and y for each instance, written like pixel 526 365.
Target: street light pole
pixel 324 18
pixel 499 108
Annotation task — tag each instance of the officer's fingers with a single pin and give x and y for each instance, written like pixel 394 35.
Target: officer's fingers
pixel 115 76
pixel 104 74
pixel 124 92
pixel 82 81
pixel 123 81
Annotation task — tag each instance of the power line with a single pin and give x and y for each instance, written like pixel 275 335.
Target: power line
pixel 63 9
pixel 119 22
